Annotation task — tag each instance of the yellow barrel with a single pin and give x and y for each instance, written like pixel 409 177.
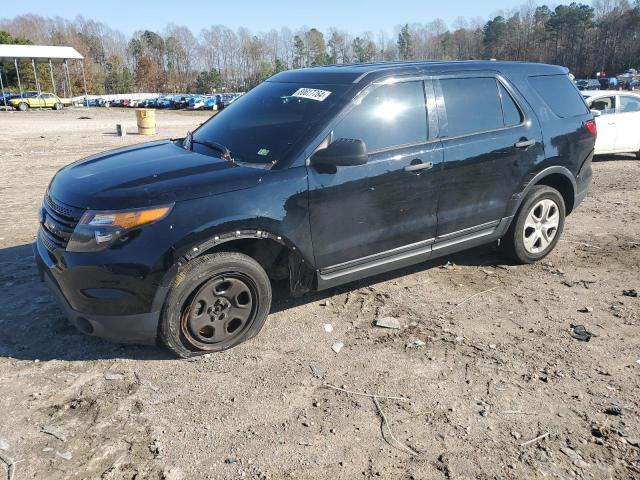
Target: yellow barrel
pixel 146 118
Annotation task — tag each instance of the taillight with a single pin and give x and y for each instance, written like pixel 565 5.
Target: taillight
pixel 590 125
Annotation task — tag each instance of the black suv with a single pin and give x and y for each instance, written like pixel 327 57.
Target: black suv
pixel 319 177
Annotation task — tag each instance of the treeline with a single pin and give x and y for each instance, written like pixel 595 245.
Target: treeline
pixel 585 38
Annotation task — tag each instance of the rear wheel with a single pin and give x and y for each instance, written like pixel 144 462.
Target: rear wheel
pixel 537 227
pixel 57 106
pixel 216 302
pixel 23 107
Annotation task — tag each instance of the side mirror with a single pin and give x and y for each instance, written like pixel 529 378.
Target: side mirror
pixel 344 152
pixel 596 113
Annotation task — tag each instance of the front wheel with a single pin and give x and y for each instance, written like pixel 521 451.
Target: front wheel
pixel 537 227
pixel 57 106
pixel 216 302
pixel 23 107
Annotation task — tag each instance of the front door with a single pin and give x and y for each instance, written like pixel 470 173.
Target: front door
pixel 390 203
pixel 489 146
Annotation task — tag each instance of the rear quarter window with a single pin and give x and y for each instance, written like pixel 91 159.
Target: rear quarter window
pixel 559 93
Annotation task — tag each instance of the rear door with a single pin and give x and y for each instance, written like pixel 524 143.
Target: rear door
pixel 390 203
pixel 628 124
pixel 490 140
pixel 38 101
pixel 48 100
pixel 605 123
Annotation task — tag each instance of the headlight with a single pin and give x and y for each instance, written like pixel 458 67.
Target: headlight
pixel 98 230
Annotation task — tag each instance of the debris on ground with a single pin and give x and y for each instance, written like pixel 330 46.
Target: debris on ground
pixel 318 370
pixel 336 347
pixel 585 310
pixel 449 266
pixel 613 410
pixel 579 332
pixel 4 445
pixel 574 283
pixel 328 327
pixel 64 455
pixel 575 457
pixel 387 322
pixel 113 376
pixel 172 473
pixel 630 293
pixel 55 432
pixel 415 344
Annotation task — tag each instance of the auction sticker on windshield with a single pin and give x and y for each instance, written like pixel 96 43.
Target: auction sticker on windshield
pixel 312 94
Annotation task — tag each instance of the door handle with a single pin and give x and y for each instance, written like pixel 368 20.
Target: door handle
pixel 525 143
pixel 418 166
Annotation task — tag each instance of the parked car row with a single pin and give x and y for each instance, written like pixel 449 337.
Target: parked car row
pixel 611 83
pixel 172 102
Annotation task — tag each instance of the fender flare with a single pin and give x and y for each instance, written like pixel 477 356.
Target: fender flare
pixel 222 238
pixel 201 247
pixel 518 198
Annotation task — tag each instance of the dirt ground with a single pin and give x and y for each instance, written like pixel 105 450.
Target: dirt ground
pixel 499 390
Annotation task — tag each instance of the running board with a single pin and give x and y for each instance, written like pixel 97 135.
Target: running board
pixel 403 257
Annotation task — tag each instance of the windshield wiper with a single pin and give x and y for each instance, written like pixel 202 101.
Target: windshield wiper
pixel 189 141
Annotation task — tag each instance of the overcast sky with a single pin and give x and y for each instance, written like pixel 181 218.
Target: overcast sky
pixel 354 16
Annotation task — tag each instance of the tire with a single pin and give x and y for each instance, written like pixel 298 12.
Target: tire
pixel 216 302
pixel 536 228
pixel 57 106
pixel 23 107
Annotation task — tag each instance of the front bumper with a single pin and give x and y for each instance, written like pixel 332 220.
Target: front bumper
pixel 138 328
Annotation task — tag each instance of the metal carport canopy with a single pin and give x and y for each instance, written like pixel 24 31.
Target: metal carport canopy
pixel 39 53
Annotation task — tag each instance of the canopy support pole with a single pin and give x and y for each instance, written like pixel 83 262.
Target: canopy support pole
pixel 35 75
pixel 84 81
pixel 4 99
pixel 15 61
pixel 66 68
pixel 53 83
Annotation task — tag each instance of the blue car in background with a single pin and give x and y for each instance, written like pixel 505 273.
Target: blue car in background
pixel 164 102
pixel 149 103
pixel 199 102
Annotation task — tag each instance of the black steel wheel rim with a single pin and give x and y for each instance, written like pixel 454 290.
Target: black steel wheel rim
pixel 220 310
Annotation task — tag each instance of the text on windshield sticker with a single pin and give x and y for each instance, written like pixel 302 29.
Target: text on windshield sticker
pixel 312 94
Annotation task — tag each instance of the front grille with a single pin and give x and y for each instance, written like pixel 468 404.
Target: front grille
pixel 58 222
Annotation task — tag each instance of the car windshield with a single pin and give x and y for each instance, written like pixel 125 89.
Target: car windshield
pixel 272 121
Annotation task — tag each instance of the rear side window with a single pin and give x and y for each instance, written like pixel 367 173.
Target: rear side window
pixel 389 116
pixel 629 104
pixel 559 93
pixel 473 105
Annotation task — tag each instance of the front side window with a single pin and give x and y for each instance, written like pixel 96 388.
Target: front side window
pixel 388 116
pixel 629 104
pixel 605 105
pixel 472 105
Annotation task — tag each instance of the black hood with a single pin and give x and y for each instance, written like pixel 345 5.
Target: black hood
pixel 152 173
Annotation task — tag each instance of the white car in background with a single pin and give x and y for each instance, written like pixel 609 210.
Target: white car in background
pixel 617 115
